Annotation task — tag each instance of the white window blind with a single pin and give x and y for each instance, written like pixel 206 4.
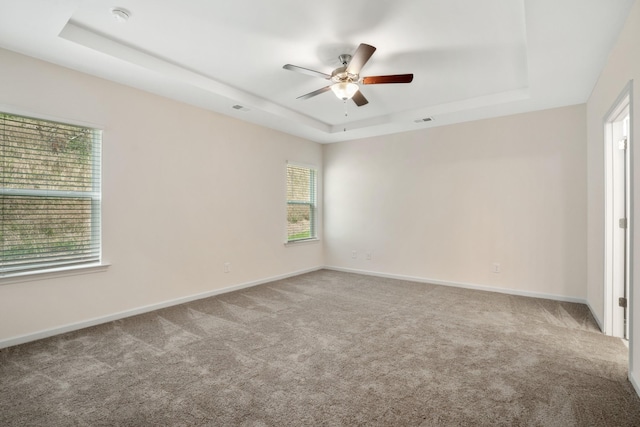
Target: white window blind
pixel 301 203
pixel 49 194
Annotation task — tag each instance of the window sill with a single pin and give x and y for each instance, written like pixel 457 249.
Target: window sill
pixel 302 242
pixel 53 273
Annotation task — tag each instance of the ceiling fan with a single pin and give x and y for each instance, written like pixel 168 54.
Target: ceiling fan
pixel 345 79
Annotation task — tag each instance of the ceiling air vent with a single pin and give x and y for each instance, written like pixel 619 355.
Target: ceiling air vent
pixel 426 119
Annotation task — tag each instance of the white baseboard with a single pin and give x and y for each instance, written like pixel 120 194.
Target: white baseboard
pixel 9 342
pixel 634 383
pixel 145 309
pixel 595 317
pixel 461 285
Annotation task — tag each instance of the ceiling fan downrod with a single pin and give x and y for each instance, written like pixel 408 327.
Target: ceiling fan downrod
pixel 344 59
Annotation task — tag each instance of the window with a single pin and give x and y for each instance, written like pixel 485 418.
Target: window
pixel 301 203
pixel 49 194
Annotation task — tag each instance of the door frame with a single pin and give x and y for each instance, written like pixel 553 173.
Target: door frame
pixel 613 325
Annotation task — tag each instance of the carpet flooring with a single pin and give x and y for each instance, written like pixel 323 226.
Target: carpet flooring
pixel 328 348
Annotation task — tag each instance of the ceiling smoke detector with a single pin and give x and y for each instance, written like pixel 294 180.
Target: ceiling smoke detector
pixel 120 15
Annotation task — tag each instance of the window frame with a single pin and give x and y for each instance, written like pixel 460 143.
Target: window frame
pixel 51 270
pixel 313 203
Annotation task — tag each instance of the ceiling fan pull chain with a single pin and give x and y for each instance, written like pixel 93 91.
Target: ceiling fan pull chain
pixel 345 113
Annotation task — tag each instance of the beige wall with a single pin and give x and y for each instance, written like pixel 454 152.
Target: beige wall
pixel 184 190
pixel 622 66
pixel 444 204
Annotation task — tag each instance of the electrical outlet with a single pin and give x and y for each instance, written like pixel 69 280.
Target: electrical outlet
pixel 496 267
pixel 354 254
pixel 227 267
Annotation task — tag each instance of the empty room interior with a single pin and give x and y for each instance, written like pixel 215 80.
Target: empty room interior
pixel 283 213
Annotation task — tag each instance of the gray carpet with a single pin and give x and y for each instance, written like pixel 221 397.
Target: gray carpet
pixel 328 348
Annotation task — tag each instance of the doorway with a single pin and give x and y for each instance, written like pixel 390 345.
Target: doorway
pixel 617 216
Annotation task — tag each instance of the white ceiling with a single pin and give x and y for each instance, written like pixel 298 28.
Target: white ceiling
pixel 471 59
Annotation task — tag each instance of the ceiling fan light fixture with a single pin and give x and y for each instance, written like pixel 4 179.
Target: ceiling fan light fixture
pixel 344 90
pixel 345 80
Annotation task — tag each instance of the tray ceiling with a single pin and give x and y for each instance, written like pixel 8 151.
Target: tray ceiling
pixel 470 59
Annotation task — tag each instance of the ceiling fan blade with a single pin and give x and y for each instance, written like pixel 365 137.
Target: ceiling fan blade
pixel 306 71
pixel 359 99
pixel 315 92
pixel 362 55
pixel 396 78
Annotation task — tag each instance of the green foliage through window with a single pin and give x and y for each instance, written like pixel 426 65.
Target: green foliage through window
pixel 301 203
pixel 49 194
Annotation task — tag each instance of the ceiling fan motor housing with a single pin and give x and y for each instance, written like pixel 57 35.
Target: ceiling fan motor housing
pixel 340 75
